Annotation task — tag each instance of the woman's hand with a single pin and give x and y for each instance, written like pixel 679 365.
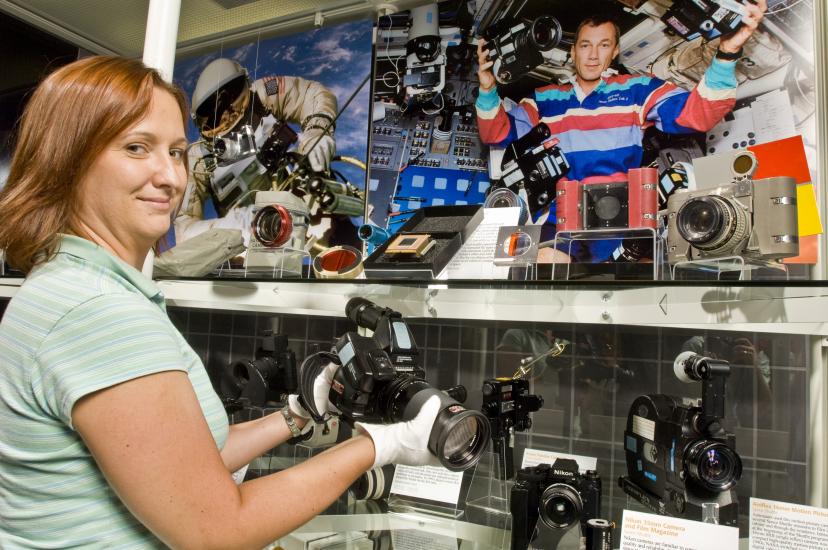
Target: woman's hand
pixel 321 391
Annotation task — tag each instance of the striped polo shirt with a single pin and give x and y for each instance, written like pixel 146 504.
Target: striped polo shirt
pixel 601 133
pixel 81 322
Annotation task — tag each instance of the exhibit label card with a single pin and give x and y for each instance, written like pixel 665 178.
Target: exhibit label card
pixel 533 457
pixel 640 531
pixel 428 482
pixel 775 525
pixel 412 539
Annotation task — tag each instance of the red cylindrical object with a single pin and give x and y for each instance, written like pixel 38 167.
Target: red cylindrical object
pixel 263 233
pixel 643 197
pixel 568 210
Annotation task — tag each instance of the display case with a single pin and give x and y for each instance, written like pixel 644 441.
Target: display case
pixel 620 342
pixel 620 339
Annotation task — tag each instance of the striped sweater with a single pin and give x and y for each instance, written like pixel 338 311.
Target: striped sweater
pixel 601 134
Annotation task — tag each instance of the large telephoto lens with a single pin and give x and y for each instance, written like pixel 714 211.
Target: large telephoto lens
pixel 560 506
pixel 458 437
pixel 711 223
pixel 714 465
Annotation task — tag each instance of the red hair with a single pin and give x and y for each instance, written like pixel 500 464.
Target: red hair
pixel 69 120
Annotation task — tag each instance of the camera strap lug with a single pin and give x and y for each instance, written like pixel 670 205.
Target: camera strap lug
pixel 791 201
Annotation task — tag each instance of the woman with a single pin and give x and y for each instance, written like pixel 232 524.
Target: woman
pixel 110 432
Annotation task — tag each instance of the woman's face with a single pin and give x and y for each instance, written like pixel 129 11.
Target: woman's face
pixel 132 188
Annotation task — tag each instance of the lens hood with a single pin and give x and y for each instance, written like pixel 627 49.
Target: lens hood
pixel 309 370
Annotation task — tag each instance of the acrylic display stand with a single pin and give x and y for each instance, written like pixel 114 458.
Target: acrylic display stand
pixel 278 263
pixel 405 506
pixel 690 269
pixel 564 240
pixel 490 489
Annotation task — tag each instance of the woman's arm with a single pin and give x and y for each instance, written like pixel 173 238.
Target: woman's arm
pixel 248 440
pixel 152 443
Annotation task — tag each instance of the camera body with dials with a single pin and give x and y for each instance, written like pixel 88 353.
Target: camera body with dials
pixel 755 219
pixel 555 498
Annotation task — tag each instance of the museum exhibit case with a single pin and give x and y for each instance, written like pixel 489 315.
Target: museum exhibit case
pixel 656 346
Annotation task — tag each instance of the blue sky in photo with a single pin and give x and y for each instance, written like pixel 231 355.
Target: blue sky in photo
pixel 338 57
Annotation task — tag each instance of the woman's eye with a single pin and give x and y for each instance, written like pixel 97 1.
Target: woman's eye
pixel 136 148
pixel 177 154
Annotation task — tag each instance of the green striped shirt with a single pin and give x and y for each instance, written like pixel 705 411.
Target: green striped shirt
pixel 82 322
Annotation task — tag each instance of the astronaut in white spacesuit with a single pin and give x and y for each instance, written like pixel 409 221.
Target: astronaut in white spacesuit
pixel 244 132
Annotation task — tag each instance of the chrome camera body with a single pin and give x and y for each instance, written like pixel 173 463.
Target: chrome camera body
pixel 755 219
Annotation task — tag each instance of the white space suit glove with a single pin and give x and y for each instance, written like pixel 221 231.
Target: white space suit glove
pixel 404 442
pixel 237 218
pixel 321 390
pixel 321 154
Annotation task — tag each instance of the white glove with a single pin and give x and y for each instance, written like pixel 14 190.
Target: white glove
pixel 404 442
pixel 321 390
pixel 322 153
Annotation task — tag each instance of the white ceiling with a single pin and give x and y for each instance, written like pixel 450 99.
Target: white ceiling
pixel 118 26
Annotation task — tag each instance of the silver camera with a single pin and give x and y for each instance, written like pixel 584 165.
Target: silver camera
pixel 754 219
pixel 278 232
pixel 235 146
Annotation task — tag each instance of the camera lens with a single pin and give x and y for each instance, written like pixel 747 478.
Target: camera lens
pixel 458 437
pixel 505 198
pixel 711 223
pixel 545 32
pixel 560 506
pixel 272 225
pixel 374 484
pixel 713 464
pixel 607 207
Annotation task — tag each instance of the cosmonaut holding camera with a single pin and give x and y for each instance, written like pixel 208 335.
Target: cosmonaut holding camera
pixel 600 116
pixel 112 435
pixel 225 101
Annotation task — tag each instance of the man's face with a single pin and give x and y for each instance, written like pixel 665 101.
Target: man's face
pixel 594 50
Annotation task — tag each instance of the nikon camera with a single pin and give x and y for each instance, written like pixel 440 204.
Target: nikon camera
pixel 680 459
pixel 559 495
pixel 754 219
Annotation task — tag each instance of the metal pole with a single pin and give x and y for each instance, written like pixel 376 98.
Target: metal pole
pixel 159 53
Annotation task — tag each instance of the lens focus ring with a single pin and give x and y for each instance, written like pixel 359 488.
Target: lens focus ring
pixel 272 225
pixel 714 465
pixel 560 506
pixel 712 223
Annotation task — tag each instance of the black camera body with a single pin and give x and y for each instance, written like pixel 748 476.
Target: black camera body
pixel 380 381
pixel 271 375
pixel 558 495
pixel 507 404
pixel 368 380
pixel 679 457
pixel 518 44
pixel 707 18
pixel 535 162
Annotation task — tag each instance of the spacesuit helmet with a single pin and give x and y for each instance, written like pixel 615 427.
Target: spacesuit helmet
pixel 221 97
